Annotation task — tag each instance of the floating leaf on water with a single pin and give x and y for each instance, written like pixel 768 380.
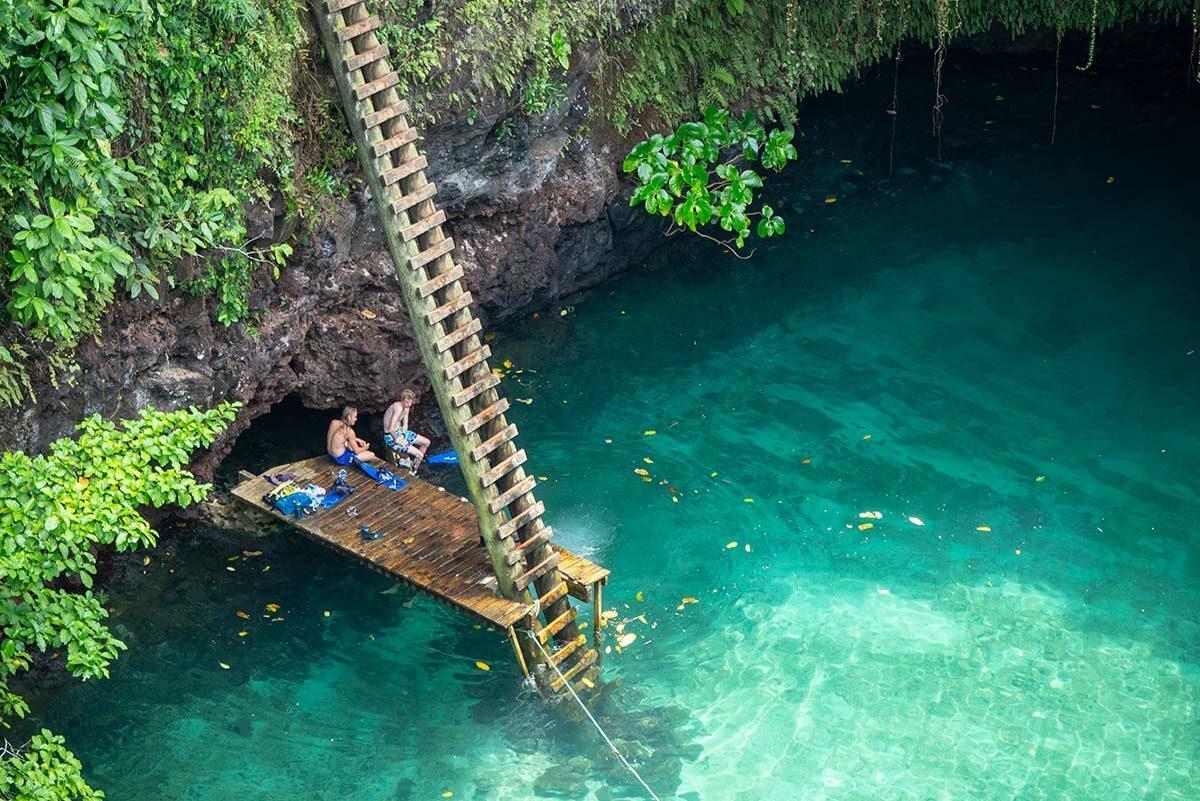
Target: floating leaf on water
pixel 562 312
pixel 223 666
pixel 526 401
pixel 866 436
pixel 243 633
pixel 1018 552
pixel 830 200
pixel 650 432
pixel 1095 106
pixel 586 682
pixel 489 336
pixel 731 544
pixel 865 526
pixel 251 554
pixel 627 639
pixel 747 547
pixel 1040 478
pixel 145 560
pixel 484 666
pixel 847 161
pixel 230 568
pixel 447 794
pixel 883 591
pixel 607 441
pixel 243 615
pixel 747 500
pixel 326 613
pixel 641 471
pixel 507 364
pixel 916 521
pixel 999 97
pixel 983 528
pixel 647 460
pixel 272 608
pixel 674 499
pixel 1110 180
pixel 640 596
pixel 691 600
pixel 609 614
pixel 806 461
pixel 713 474
pixel 891 111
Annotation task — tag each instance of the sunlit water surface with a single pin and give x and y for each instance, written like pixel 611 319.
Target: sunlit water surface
pixel 997 354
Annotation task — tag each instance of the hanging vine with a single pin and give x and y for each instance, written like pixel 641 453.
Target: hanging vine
pixel 1091 59
pixel 1193 70
pixel 943 12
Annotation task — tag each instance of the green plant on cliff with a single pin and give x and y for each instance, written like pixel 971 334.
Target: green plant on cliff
pixel 449 56
pixel 699 175
pixel 55 512
pixel 132 133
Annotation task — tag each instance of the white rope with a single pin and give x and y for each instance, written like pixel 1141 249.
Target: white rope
pixel 595 723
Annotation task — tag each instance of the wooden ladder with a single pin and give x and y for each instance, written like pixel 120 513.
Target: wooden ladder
pixel 450 339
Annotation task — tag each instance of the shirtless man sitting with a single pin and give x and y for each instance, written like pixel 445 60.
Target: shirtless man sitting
pixel 398 436
pixel 342 444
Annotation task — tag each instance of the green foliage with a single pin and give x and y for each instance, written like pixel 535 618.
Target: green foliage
pixel 694 175
pixel 44 770
pixel 132 133
pixel 450 56
pixel 55 512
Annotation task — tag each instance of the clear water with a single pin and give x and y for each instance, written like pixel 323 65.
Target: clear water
pixel 1007 341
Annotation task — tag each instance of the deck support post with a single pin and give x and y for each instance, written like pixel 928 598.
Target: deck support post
pixel 597 611
pixel 516 644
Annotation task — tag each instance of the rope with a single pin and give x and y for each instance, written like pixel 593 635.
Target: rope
pixel 595 723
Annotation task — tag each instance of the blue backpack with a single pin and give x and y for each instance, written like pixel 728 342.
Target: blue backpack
pixel 294 504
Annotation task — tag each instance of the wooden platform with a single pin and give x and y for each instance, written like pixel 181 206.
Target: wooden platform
pixel 430 540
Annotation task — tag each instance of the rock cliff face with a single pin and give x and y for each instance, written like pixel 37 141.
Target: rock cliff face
pixel 536 218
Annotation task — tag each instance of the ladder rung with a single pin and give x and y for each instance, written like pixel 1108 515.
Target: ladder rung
pixel 384 114
pixel 334 6
pixel 369 57
pixel 372 88
pixel 406 202
pixel 487 446
pixel 556 594
pixel 555 626
pixel 447 309
pixel 537 571
pixel 526 485
pixel 404 170
pixel 432 254
pixel 503 468
pixel 562 653
pixel 474 391
pixel 510 528
pixel 587 659
pixel 423 226
pixel 486 416
pixel 464 364
pixel 458 335
pixel 381 149
pixel 371 23
pixel 532 544
pixel 440 280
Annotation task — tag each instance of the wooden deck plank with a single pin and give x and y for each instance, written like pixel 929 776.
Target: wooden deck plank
pixel 443 560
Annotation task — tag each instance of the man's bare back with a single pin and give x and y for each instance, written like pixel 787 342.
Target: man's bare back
pixel 341 443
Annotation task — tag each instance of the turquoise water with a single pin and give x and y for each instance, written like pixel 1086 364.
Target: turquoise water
pixel 998 355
